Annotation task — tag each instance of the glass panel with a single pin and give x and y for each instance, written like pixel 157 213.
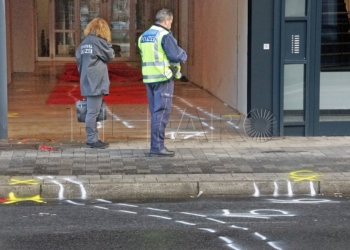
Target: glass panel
pixel 65 44
pixel 89 9
pixel 294 75
pixel 120 22
pixel 335 62
pixel 295 8
pixel 43 28
pixel 64 15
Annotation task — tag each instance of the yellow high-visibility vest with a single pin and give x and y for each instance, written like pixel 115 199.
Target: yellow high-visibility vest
pixel 155 63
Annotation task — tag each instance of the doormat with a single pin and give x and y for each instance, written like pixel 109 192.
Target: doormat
pixel 123 93
pixel 118 72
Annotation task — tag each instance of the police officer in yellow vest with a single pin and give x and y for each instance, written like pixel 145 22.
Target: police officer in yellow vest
pixel 161 58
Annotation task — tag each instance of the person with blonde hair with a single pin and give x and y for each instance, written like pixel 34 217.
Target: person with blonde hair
pixel 92 56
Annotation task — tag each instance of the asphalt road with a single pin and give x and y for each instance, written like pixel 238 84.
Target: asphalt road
pixel 232 223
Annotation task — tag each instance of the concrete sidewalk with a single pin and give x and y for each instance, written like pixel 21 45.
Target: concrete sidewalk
pixel 238 166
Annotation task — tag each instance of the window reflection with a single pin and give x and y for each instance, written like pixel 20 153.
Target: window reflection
pixel 335 62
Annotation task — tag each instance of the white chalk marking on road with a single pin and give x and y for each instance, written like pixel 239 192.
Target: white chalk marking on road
pixel 256 215
pixel 275 193
pixel 243 228
pixel 75 203
pixel 208 229
pixel 199 215
pixel 160 217
pixel 312 189
pixel 60 193
pixel 260 236
pixel 233 247
pixel 303 201
pixel 227 240
pixel 126 211
pixel 156 209
pixel 257 193
pixel 101 207
pixel 126 205
pixel 41 178
pixel 102 200
pixel 273 244
pixel 290 191
pixel 186 223
pixel 82 188
pixel 222 222
pixel 50 177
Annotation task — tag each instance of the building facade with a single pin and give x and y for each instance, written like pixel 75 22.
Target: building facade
pixel 291 57
pixel 305 78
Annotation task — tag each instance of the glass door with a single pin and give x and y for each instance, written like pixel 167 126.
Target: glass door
pixel 64 28
pixel 60 32
pixel 334 68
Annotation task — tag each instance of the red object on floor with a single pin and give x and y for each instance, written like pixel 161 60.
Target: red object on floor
pixel 130 93
pixel 46 148
pixel 118 72
pixel 3 199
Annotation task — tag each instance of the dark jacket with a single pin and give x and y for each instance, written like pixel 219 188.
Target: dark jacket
pixel 92 57
pixel 174 53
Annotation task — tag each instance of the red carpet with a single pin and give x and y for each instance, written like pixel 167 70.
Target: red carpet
pixel 118 72
pixel 130 93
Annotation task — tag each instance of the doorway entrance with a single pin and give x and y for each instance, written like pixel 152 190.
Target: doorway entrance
pixel 60 25
pixel 316 68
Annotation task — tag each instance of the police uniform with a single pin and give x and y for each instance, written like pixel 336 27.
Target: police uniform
pixel 92 57
pixel 161 57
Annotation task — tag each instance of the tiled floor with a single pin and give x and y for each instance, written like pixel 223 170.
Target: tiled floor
pixel 196 114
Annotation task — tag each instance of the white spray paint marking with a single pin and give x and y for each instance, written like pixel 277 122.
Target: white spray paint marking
pixel 227 240
pixel 243 228
pixel 275 193
pixel 273 244
pixel 222 222
pixel 233 247
pixel 75 203
pixel 60 193
pixel 229 243
pixel 126 211
pixel 102 200
pixel 257 193
pixel 256 215
pixel 50 177
pixel 82 188
pixel 303 201
pixel 126 205
pixel 312 189
pixel 186 223
pixel 156 209
pixel 208 230
pixel 41 178
pixel 290 191
pixel 101 207
pixel 198 215
pixel 160 217
pixel 260 236
pixel 116 118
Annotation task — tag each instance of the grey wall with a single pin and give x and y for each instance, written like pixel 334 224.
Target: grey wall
pixel 260 93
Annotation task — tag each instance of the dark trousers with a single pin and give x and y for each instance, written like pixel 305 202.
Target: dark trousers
pixel 160 97
pixel 93 106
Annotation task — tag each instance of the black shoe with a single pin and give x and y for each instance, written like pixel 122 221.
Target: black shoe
pixel 106 143
pixel 162 153
pixel 98 144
